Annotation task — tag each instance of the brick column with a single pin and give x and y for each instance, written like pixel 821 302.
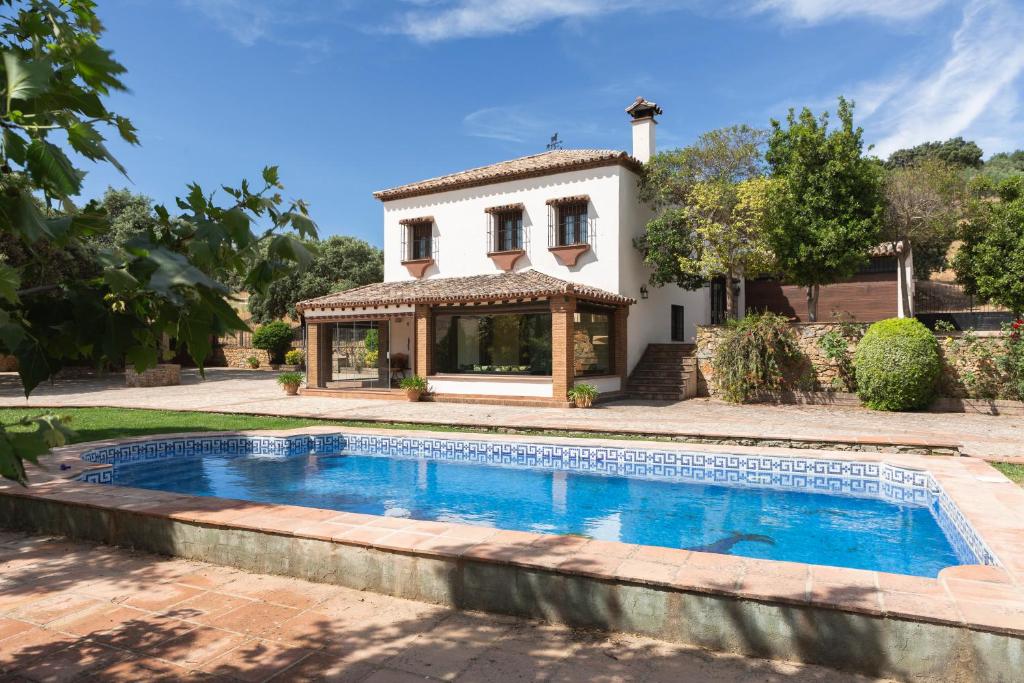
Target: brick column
pixel 563 350
pixel 620 343
pixel 318 354
pixel 423 341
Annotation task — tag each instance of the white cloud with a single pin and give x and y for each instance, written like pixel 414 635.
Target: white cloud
pixel 819 11
pixel 974 85
pixel 471 18
pixel 247 21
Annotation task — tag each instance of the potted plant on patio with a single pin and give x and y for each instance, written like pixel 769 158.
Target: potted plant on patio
pixel 414 387
pixel 583 395
pixel 253 362
pixel 290 381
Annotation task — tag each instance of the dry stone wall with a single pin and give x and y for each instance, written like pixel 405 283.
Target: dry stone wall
pixel 163 375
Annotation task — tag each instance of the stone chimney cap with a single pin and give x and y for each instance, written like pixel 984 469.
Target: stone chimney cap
pixel 642 108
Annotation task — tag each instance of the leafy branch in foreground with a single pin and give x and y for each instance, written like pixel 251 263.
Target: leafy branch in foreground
pixel 115 302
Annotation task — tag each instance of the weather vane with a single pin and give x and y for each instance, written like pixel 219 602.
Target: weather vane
pixel 554 143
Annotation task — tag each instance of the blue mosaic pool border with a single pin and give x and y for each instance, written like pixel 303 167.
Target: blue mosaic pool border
pixel 834 476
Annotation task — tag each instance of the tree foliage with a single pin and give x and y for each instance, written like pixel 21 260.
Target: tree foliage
pixel 275 338
pixel 130 215
pixel 1004 165
pixel 825 205
pixel 955 152
pixel 119 300
pixel 990 261
pixel 923 204
pixel 711 199
pixel 338 263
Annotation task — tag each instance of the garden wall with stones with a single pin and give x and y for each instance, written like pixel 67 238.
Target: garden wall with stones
pixel 234 356
pixel 969 368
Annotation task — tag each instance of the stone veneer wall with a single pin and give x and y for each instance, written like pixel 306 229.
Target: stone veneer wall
pixel 163 375
pixel 960 361
pixel 237 356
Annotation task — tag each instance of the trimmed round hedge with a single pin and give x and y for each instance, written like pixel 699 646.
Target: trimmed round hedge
pixel 897 365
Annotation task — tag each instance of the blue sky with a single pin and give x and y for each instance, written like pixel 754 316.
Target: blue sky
pixel 351 96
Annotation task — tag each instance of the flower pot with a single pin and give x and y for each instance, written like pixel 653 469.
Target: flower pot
pixel 291 389
pixel 583 402
pixel 413 394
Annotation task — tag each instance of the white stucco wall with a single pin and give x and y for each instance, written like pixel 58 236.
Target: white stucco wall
pixel 612 264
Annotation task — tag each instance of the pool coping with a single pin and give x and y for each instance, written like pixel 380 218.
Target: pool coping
pixel 977 597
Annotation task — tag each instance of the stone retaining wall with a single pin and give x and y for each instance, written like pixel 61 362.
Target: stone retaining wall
pixel 163 375
pixel 968 371
pixel 238 356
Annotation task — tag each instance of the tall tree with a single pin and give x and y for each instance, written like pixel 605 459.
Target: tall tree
pixel 923 203
pixel 122 300
pixel 130 215
pixel 710 199
pixel 339 263
pixel 990 261
pixel 825 206
pixel 955 152
pixel 1004 165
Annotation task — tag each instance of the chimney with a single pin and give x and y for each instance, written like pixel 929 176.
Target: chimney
pixel 643 112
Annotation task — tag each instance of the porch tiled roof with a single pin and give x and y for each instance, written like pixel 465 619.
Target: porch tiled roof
pixel 474 288
pixel 545 163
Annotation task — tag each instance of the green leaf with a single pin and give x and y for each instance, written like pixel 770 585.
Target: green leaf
pixel 10 281
pixel 50 168
pixel 33 366
pixel 291 249
pixel 25 80
pixel 87 141
pixel 142 357
pixel 15 146
pixel 174 270
pixel 271 176
pixel 120 280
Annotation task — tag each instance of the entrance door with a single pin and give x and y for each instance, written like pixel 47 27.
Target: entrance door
pixel 359 355
pixel 718 301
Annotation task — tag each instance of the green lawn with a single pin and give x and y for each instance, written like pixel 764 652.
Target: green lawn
pixel 1014 472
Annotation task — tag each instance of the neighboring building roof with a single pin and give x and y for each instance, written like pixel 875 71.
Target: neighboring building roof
pixel 524 284
pixel 545 163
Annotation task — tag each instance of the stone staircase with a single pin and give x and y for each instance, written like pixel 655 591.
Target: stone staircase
pixel 666 372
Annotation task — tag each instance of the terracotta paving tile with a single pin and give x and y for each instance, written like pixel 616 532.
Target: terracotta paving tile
pixel 197 647
pixel 429 527
pixel 391 522
pixel 777 569
pixel 9 627
pixel 976 572
pixel 853 598
pixel 324 531
pixel 560 544
pixel 141 632
pixel 135 669
pixel 653 553
pixel 54 607
pixel 842 576
pixel 256 618
pixel 707 579
pixel 264 522
pixel 311 629
pixel 591 565
pixel 910 584
pixel 469 532
pixel 916 605
pixel 646 572
pixel 162 596
pixel 767 587
pixel 401 540
pixel 613 549
pixel 24 647
pixel 442 546
pixel 990 615
pixel 208 576
pixel 71 662
pixel 255 660
pixel 718 561
pixel 365 535
pixel 206 608
pixel 325 667
pixel 982 590
pixel 98 621
pixel 305 513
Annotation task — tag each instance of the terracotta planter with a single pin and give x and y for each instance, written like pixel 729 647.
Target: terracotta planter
pixel 583 402
pixel 413 394
pixel 291 389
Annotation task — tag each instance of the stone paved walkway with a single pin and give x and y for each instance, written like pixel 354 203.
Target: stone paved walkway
pixel 74 611
pixel 256 392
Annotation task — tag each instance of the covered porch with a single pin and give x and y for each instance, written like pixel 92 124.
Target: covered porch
pixel 515 338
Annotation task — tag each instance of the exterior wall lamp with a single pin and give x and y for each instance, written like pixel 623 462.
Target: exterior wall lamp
pixel 643 291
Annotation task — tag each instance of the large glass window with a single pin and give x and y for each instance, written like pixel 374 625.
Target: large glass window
pixel 572 224
pixel 592 341
pixel 503 344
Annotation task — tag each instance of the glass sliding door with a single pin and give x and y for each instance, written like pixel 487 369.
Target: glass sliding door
pixel 359 355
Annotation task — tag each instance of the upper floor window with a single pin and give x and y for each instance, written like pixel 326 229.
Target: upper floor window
pixel 505 228
pixel 418 239
pixel 569 221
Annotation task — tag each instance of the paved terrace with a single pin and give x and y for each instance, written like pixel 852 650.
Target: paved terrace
pixel 240 391
pixel 74 611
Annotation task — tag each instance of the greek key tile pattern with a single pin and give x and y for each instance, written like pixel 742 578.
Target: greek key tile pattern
pixel 836 477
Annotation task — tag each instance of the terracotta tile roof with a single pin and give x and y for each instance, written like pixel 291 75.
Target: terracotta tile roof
pixel 886 249
pixel 545 163
pixel 474 288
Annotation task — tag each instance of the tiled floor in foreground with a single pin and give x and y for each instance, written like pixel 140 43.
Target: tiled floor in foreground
pixel 71 611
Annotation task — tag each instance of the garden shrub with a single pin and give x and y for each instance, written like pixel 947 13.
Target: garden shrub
pixel 275 338
pixel 1012 362
pixel 295 357
pixel 897 365
pixel 755 355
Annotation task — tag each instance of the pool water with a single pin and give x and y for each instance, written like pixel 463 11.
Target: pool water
pixel 799 526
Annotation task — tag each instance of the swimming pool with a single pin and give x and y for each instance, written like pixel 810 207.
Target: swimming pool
pixel 865 515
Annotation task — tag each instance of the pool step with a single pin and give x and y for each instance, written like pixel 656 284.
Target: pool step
pixel 666 372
